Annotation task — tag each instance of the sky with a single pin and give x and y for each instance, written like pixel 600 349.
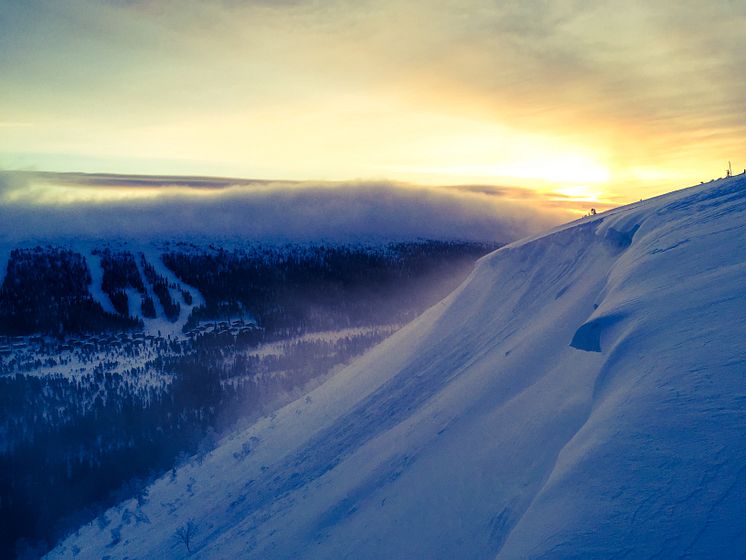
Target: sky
pixel 598 102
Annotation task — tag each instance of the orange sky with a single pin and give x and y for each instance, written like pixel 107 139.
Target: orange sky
pixel 586 100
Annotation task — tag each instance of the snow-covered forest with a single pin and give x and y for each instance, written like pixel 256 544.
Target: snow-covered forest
pixel 118 361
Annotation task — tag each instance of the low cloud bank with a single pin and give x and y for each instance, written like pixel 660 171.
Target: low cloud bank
pixel 43 206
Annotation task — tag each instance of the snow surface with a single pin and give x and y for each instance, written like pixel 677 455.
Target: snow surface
pixel 582 394
pixel 161 324
pixel 97 278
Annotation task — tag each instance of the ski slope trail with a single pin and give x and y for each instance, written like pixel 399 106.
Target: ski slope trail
pixel 582 394
pixel 97 279
pixel 161 324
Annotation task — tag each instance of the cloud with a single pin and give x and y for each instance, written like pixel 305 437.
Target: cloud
pixel 38 207
pixel 104 180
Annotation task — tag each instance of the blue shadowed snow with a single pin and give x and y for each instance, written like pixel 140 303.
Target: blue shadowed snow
pixel 588 336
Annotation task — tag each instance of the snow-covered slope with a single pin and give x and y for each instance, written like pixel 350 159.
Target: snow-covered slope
pixel 582 394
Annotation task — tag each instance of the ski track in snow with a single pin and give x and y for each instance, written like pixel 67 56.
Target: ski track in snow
pixel 152 325
pixel 134 302
pixel 580 395
pixel 161 323
pixel 97 276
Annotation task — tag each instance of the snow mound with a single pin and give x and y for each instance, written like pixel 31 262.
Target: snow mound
pixel 582 394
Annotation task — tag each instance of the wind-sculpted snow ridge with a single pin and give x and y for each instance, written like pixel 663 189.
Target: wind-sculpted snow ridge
pixel 581 395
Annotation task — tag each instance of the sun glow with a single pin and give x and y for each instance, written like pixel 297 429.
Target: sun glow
pixel 555 171
pixel 579 193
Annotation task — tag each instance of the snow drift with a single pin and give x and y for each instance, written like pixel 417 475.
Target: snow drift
pixel 582 394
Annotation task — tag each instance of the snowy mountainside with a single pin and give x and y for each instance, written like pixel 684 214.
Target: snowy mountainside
pixel 582 394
